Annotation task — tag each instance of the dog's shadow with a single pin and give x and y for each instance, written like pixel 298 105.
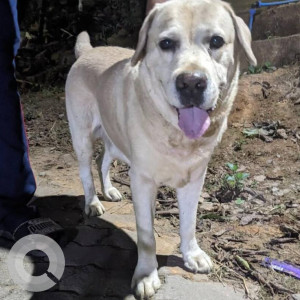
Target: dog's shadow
pixel 100 261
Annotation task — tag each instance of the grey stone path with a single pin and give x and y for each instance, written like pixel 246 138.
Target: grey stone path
pixel 101 260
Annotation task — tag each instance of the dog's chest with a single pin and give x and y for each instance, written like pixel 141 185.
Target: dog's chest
pixel 176 168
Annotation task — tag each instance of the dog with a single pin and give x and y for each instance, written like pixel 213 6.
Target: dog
pixel 162 109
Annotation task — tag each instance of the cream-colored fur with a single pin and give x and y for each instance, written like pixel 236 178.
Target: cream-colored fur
pixel 129 100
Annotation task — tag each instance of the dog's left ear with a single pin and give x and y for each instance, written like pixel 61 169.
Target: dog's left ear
pixel 243 34
pixel 143 35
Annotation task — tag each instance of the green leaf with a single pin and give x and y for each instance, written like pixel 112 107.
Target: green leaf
pixel 239 201
pixel 241 176
pixel 251 69
pixel 252 132
pixel 230 178
pixel 232 167
pixel 267 64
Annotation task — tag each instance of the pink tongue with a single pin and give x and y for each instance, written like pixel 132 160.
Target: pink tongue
pixel 193 121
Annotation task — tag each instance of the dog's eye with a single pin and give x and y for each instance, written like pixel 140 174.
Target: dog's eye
pixel 167 44
pixel 216 42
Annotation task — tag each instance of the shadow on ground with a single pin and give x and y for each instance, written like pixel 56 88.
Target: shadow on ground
pixel 99 262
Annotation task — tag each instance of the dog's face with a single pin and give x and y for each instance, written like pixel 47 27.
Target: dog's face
pixel 188 48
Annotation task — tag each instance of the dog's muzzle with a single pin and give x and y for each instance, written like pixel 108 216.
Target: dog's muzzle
pixel 191 88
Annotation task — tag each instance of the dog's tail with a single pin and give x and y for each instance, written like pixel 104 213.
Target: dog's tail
pixel 83 44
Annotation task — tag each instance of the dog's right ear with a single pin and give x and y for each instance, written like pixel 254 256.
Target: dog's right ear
pixel 143 36
pixel 243 34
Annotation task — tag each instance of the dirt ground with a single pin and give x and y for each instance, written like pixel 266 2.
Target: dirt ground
pixel 252 219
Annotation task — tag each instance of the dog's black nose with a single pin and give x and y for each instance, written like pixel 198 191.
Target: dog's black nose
pixel 191 87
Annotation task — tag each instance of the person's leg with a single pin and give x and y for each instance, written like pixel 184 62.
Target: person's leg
pixel 17 183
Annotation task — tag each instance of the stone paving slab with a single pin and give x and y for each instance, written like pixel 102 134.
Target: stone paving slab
pixel 100 262
pixel 178 288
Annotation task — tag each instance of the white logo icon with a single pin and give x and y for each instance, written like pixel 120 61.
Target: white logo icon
pixel 27 281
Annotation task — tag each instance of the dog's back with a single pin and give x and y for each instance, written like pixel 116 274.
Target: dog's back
pixel 99 58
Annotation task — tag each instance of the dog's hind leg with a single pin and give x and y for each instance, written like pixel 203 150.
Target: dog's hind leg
pixel 103 161
pixel 93 206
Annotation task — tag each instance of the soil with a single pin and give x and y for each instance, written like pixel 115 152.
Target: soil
pixel 260 218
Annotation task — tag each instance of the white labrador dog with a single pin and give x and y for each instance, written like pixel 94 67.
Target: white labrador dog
pixel 162 109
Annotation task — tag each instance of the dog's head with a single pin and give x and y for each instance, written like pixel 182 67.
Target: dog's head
pixel 189 49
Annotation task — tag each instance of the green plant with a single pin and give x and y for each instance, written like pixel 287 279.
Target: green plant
pixel 267 66
pixel 232 185
pixel 239 201
pixel 234 180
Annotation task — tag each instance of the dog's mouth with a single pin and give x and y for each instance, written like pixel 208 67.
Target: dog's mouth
pixel 194 121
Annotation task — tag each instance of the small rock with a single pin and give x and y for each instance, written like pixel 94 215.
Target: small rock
pixel 269 161
pixel 296 297
pixel 260 178
pixel 43 174
pixel 208 206
pixel 237 125
pixel 266 138
pixel 277 170
pixel 245 220
pixel 205 195
pixel 201 200
pixel 241 168
pixel 282 133
pixel 277 192
pixel 286 191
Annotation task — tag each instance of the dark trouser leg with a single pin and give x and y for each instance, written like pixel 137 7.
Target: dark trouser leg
pixel 17 184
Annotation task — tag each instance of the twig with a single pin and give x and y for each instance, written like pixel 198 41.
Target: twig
pixel 123 171
pixel 117 209
pixel 245 287
pixel 236 274
pixel 67 32
pixel 158 234
pixel 283 240
pixel 220 279
pixel 25 81
pixel 254 194
pixel 52 126
pixel 280 288
pixel 174 211
pixel 243 263
pixel 121 181
pixel 167 201
pixel 237 240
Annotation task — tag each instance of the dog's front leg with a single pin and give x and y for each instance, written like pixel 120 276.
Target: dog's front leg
pixel 188 198
pixel 145 279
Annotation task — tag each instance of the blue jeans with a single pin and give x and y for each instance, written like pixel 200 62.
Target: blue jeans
pixel 17 183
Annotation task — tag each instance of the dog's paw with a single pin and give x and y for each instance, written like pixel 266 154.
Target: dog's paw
pixel 112 194
pixel 147 286
pixel 94 209
pixel 198 261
